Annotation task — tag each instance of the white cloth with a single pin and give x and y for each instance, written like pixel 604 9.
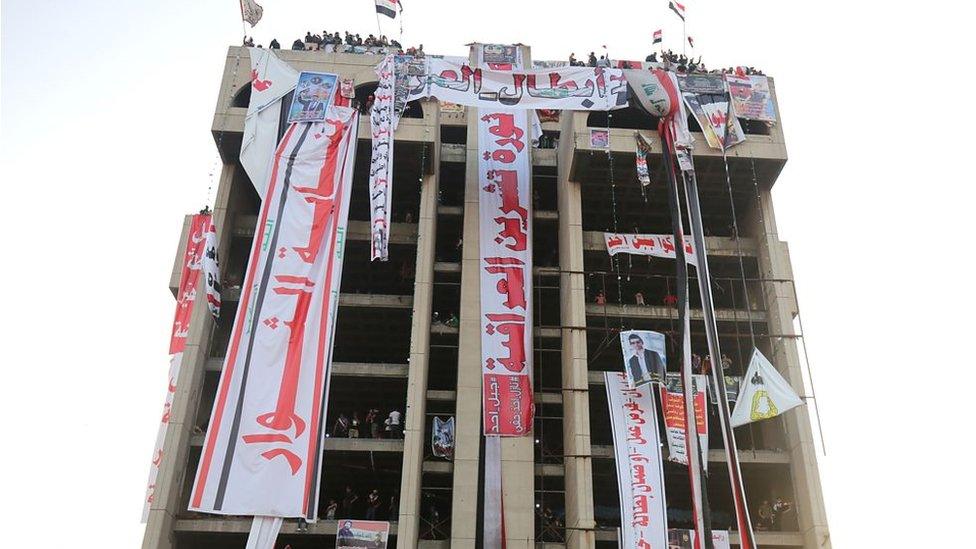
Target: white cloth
pixel 271 80
pixel 264 532
pixel 764 393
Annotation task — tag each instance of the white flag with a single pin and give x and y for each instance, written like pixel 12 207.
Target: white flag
pixel 271 80
pixel 211 270
pixel 763 394
pixel 251 11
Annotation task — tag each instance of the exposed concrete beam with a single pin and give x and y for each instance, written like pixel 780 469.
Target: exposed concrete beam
pixel 382 301
pixel 666 313
pixel 400 233
pixel 343 444
pixel 342 369
pixel 720 246
pixel 718 456
pixel 549 333
pixel 763 539
pixel 541 469
pixel 538 215
pixel 456 152
pixel 242 525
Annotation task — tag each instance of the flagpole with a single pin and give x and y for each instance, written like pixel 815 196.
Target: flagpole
pixel 684 36
pixel 379 30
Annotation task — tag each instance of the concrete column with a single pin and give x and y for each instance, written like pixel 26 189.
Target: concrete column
pixel 774 263
pixel 467 449
pixel 168 500
pixel 575 385
pixel 414 441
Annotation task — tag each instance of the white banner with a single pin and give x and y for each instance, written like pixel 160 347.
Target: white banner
pixel 174 374
pixel 271 80
pixel 263 448
pixel 673 405
pixel 383 121
pixel 640 468
pixel 569 88
pixel 655 245
pixel 763 393
pixel 505 239
pixel 264 533
pixel 211 271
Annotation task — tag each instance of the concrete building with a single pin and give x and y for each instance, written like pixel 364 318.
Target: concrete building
pixel 390 354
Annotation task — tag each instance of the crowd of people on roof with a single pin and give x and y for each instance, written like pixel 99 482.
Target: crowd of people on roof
pixel 354 43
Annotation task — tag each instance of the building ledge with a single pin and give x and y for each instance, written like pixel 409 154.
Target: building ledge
pixel 538 215
pixel 763 539
pixel 603 451
pixel 666 313
pixel 242 525
pixel 382 301
pixel 716 246
pixel 341 369
pixel 342 444
pixel 457 152
pixel 400 233
pixel 548 333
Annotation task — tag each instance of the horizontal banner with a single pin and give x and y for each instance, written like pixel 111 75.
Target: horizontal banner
pixel 655 245
pixel 569 88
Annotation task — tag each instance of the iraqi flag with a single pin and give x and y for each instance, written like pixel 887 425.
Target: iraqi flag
pixel 658 36
pixel 675 7
pixel 388 7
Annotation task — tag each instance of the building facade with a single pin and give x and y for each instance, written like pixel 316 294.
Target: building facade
pixel 408 333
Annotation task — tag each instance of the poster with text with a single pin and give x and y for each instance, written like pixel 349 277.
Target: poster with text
pixel 360 534
pixel 313 95
pixel 644 356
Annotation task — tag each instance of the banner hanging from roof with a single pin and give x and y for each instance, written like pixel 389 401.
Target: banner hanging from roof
pixel 211 269
pixel 673 404
pixel 707 97
pixel 271 80
pixel 569 88
pixel 174 374
pixel 383 121
pixel 263 447
pixel 764 393
pixel 654 245
pixel 751 98
pixel 505 239
pixel 640 468
pixel 186 294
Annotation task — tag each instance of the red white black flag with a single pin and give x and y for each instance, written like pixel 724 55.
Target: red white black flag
pixel 677 8
pixel 658 36
pixel 388 7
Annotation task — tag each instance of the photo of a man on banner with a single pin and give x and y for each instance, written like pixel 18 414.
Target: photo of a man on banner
pixel 644 356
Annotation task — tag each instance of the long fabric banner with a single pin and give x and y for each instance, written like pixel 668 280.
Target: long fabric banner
pixel 640 468
pixel 673 404
pixel 764 394
pixel 186 294
pixel 505 239
pixel 686 539
pixel 263 448
pixel 271 80
pixel 751 98
pixel 654 245
pixel 211 270
pixel 707 97
pixel 383 122
pixel 174 373
pixel 569 88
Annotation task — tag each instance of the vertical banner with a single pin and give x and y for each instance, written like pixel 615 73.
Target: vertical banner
pixel 640 469
pixel 263 448
pixel 442 438
pixel 186 294
pixel 673 405
pixel 211 269
pixel 505 211
pixel 174 373
pixel 382 121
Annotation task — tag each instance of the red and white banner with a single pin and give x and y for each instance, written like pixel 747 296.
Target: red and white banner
pixel 505 211
pixel 656 245
pixel 686 539
pixel 211 270
pixel 673 404
pixel 383 121
pixel 263 448
pixel 174 373
pixel 271 80
pixel 640 467
pixel 186 294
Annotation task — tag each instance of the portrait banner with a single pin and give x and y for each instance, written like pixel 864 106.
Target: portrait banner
pixel 654 245
pixel 186 293
pixel 211 270
pixel 362 534
pixel 568 88
pixel 732 384
pixel 685 539
pixel 751 98
pixel 157 456
pixel 644 356
pixel 763 393
pixel 263 447
pixel 640 467
pixel 313 95
pixel 673 406
pixel 442 438
pixel 505 240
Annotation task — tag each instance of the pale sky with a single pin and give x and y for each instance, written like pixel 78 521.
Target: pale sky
pixel 104 123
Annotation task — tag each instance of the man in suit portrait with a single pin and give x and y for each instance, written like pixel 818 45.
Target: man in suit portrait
pixel 644 365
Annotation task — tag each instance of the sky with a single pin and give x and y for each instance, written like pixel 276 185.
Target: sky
pixel 105 109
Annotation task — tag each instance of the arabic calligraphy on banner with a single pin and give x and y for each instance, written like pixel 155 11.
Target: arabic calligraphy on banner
pixel 570 88
pixel 655 245
pixel 505 241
